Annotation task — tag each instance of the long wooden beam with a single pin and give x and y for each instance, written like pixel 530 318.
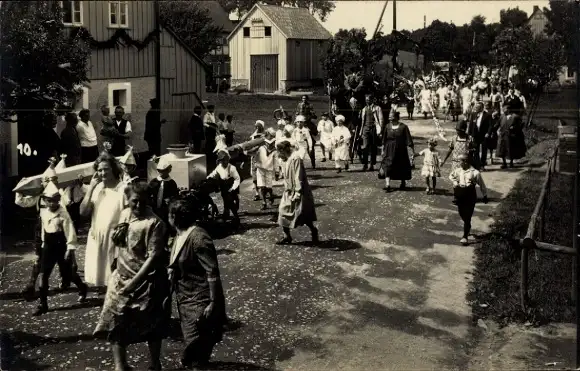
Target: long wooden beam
pixel 549 247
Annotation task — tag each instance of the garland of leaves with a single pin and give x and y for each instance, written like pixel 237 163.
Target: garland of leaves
pixel 120 37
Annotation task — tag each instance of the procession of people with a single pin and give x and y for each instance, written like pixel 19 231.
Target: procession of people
pixel 147 244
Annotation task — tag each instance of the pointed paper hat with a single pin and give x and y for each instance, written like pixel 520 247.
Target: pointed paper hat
pixel 61 164
pixel 128 158
pixel 50 191
pixel 50 172
pixel 163 164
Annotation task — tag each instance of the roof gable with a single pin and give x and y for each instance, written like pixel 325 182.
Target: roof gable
pixel 293 23
pixel 180 41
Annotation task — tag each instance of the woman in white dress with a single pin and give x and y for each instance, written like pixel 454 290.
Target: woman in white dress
pixel 426 101
pixel 325 127
pixel 104 201
pixel 341 139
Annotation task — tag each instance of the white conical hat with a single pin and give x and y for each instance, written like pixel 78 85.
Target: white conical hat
pixel 128 158
pixel 61 164
pixel 50 190
pixel 50 172
pixel 163 164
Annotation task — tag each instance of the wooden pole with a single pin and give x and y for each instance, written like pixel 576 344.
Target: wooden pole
pixel 577 185
pixel 157 53
pixel 380 18
pixel 527 243
pixel 396 51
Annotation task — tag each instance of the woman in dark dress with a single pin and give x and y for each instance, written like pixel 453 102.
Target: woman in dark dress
pixel 396 163
pixel 195 277
pixel 511 141
pixel 135 308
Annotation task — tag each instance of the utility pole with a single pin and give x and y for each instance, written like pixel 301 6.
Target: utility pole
pixel 425 21
pixel 576 229
pixel 395 51
pixel 157 53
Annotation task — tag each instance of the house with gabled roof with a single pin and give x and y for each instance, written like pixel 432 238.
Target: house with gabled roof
pixel 537 22
pixel 218 58
pixel 276 49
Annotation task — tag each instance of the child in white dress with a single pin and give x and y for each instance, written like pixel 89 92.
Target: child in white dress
pixel 431 166
pixel 265 166
pixel 341 139
pixel 325 127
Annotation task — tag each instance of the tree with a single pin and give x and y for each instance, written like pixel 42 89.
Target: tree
pixel 562 24
pixel 193 24
pixel 512 17
pixel 350 48
pixel 42 66
pixel 322 8
pixel 537 58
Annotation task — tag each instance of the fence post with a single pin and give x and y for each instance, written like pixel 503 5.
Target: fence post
pixel 527 243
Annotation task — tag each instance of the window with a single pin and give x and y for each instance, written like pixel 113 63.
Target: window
pixel 570 72
pixel 246 31
pixel 120 95
pixel 268 31
pixel 72 13
pixel 118 14
pixel 257 32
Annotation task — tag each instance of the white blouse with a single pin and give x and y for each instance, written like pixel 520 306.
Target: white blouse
pixel 467 178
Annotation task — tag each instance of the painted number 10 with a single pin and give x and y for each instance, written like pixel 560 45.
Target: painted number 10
pixel 25 150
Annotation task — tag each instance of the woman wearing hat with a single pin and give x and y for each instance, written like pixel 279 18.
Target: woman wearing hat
pixel 511 142
pixel 464 179
pixel 229 183
pixel 297 204
pixel 396 164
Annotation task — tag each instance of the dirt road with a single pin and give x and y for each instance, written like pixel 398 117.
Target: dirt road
pixel 384 290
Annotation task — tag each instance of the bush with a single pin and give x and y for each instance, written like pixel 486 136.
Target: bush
pixel 495 291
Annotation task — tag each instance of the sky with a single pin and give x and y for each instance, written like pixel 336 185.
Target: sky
pixel 365 14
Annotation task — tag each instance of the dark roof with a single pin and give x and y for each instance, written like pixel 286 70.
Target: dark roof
pixel 185 46
pixel 218 14
pixel 294 23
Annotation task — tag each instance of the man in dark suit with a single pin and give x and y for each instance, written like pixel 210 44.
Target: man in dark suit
pixel 480 129
pixel 196 130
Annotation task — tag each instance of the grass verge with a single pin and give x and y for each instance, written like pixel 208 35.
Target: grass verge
pixel 495 289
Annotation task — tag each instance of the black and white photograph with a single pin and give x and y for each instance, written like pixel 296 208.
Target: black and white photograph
pixel 289 185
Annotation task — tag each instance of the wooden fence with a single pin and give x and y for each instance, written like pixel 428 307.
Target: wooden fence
pixel 533 241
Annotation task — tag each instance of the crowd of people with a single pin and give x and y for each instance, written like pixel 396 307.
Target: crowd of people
pixel 146 244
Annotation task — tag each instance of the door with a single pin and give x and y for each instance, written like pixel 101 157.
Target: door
pixel 264 74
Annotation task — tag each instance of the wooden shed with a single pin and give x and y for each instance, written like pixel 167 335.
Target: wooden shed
pixel 277 49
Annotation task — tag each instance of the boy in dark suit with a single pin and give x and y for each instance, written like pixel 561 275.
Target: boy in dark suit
pixel 162 189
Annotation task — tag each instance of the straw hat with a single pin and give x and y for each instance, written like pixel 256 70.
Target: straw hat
pixel 260 123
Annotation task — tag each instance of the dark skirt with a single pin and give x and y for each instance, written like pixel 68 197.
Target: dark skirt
pixel 200 334
pixel 146 322
pixel 512 146
pixel 396 163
